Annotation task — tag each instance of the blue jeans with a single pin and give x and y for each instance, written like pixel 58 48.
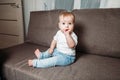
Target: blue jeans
pixel 55 59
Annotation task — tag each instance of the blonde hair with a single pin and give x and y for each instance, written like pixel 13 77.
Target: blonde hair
pixel 67 14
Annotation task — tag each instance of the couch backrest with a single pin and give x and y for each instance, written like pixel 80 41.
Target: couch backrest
pixel 42 26
pixel 98 31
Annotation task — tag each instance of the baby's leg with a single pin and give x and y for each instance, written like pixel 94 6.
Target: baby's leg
pixel 44 63
pixel 37 53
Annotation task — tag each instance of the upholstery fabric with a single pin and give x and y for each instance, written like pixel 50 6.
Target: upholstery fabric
pixel 87 67
pixel 99 31
pixel 43 26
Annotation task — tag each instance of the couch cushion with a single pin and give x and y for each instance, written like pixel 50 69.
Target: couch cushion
pixel 99 31
pixel 43 26
pixel 87 67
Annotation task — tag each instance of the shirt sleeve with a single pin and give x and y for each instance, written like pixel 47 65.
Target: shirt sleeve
pixel 56 36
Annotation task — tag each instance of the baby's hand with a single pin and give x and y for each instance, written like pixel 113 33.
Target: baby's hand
pixel 67 31
pixel 50 50
pixel 37 51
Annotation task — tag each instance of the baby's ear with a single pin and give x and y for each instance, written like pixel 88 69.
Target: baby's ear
pixel 59 24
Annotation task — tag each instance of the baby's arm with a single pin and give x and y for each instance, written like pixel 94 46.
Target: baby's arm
pixel 70 41
pixel 52 46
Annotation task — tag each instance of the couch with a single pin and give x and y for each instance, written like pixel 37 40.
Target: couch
pixel 97 52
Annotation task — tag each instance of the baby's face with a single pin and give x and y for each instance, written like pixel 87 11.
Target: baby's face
pixel 66 24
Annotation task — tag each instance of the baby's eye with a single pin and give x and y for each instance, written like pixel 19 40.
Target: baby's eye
pixel 70 23
pixel 63 23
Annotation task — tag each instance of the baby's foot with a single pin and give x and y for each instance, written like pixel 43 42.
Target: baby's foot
pixel 30 63
pixel 37 53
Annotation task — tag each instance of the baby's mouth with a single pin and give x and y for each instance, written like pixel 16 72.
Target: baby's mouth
pixel 66 29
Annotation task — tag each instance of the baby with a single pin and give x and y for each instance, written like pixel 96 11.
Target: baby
pixel 62 48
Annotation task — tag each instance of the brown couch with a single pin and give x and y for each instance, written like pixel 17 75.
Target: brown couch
pixel 98 50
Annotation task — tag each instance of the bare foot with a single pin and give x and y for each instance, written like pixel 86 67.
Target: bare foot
pixel 30 63
pixel 37 53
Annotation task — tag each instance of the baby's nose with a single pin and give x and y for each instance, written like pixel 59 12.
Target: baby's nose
pixel 66 25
